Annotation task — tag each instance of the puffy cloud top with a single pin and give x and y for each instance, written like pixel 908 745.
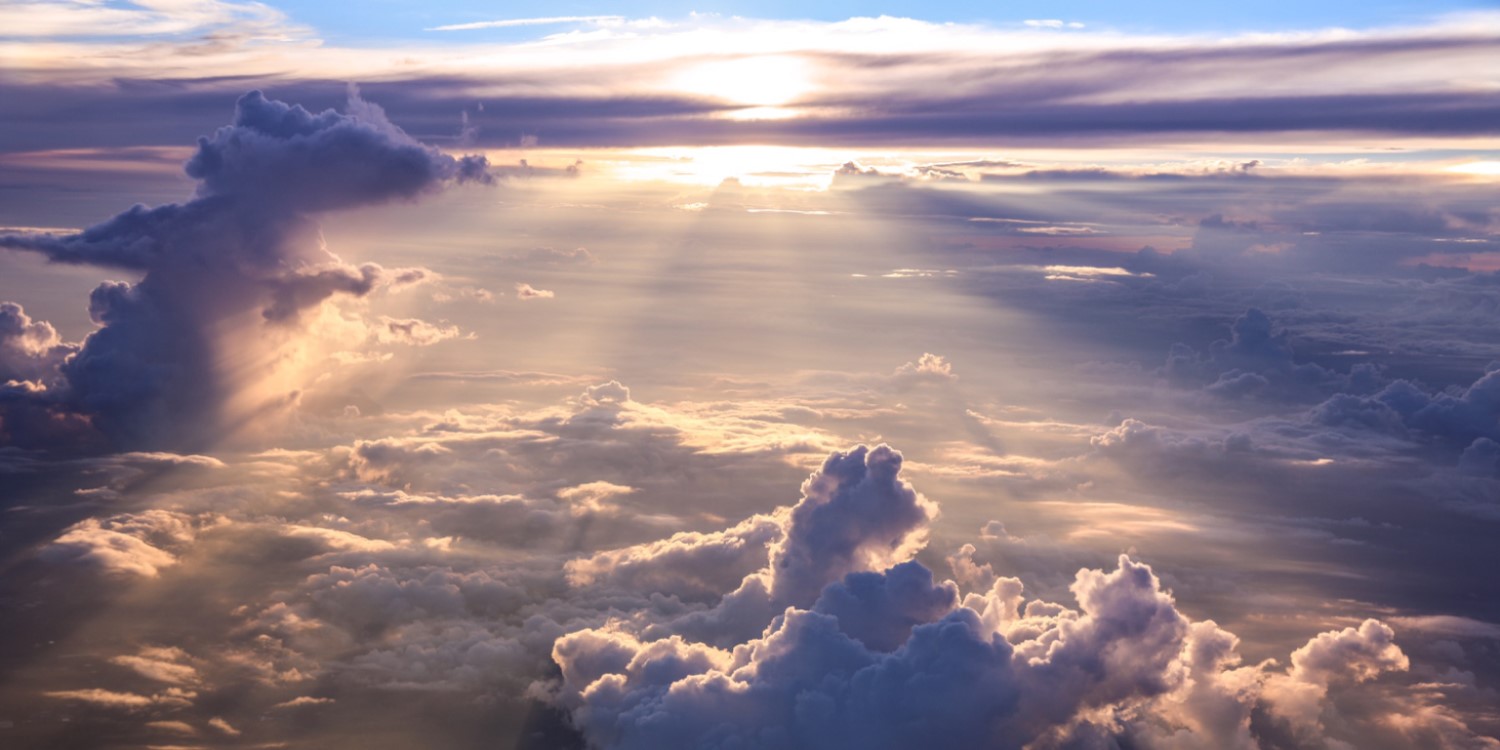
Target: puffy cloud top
pixel 882 656
pixel 155 373
pixel 280 153
pixel 856 513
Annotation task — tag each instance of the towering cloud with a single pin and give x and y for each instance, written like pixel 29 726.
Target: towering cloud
pixel 208 338
pixel 855 514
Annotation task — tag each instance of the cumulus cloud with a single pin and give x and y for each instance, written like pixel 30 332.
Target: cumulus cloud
pixel 928 367
pixel 181 356
pixel 31 358
pixel 1257 360
pixel 605 394
pixel 527 292
pixel 865 649
pixel 138 544
pixel 856 514
pixel 30 350
pixel 1464 417
pixel 884 660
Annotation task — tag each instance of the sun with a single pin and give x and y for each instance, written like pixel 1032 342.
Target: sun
pixel 762 81
pixel 1484 168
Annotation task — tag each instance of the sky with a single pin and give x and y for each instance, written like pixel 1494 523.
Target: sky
pixel 1077 376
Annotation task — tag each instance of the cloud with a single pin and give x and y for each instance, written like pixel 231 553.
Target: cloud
pixel 880 609
pixel 353 585
pixel 223 726
pixel 412 331
pixel 901 81
pixel 175 727
pixel 928 367
pixel 139 544
pixel 884 656
pixel 167 664
pixel 605 394
pixel 302 701
pixel 1051 23
pixel 690 565
pixel 594 497
pixel 155 373
pixel 1344 657
pixel 170 698
pixel 283 156
pixel 64 19
pixel 506 23
pixel 527 291
pixel 1463 417
pixel 879 663
pixel 429 497
pixel 855 514
pixel 1258 361
pixel 30 350
pixel 546 256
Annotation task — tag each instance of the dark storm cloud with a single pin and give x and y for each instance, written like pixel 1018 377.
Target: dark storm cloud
pixel 154 373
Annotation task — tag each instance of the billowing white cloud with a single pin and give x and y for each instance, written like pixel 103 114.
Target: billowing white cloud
pixel 886 657
pixel 140 544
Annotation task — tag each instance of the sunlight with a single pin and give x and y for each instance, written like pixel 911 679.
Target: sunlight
pixel 754 166
pixel 1482 168
pixel 752 81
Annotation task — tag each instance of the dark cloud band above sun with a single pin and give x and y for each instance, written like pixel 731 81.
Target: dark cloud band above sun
pixel 867 81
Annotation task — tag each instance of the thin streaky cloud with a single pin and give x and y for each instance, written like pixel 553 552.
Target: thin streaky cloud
pixel 506 23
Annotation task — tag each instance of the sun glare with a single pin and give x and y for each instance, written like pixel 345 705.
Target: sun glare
pixel 1484 168
pixel 752 81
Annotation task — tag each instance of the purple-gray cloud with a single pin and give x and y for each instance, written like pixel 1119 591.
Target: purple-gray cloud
pixel 174 349
pixel 889 659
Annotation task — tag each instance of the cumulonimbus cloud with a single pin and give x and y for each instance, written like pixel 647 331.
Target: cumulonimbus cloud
pixel 183 355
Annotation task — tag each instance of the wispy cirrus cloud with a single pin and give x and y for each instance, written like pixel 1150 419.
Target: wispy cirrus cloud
pixel 506 23
pixel 81 18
